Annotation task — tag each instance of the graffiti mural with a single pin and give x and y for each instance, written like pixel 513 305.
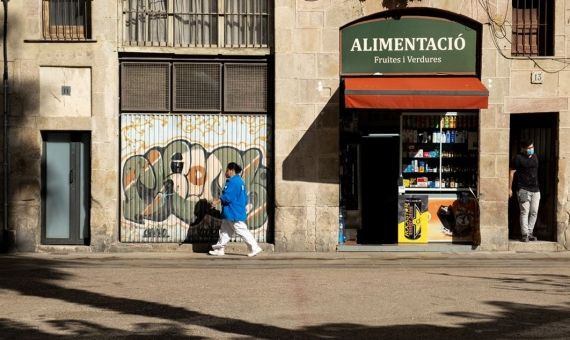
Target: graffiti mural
pixel 172 166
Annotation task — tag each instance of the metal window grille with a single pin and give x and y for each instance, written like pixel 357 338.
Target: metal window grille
pixel 146 21
pixel 245 88
pixel 197 87
pixel 145 86
pixel 66 19
pixel 532 28
pixel 247 23
pixel 197 23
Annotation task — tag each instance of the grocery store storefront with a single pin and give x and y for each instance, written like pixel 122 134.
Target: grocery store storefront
pixel 409 137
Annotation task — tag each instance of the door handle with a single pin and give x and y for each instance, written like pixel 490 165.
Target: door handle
pixel 70 176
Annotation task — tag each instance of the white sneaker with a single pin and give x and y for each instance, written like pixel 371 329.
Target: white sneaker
pixel 217 252
pixel 217 246
pixel 255 252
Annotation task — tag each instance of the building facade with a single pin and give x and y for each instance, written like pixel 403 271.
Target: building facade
pixel 123 114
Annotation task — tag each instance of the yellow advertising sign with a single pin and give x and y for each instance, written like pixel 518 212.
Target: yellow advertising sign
pixel 413 220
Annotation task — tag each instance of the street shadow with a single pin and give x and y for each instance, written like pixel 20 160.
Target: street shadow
pixel 205 228
pixel 24 175
pixel 315 157
pixel 552 284
pixel 24 155
pixel 85 329
pixel 35 277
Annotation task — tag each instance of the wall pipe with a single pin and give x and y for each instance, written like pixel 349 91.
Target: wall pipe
pixel 6 112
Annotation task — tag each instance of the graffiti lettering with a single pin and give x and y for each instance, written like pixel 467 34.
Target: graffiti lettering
pixel 156 232
pixel 171 180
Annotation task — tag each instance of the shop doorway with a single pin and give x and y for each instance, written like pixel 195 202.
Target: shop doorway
pixel 542 129
pixel 379 169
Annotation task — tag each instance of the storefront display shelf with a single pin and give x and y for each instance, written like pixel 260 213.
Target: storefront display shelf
pixel 434 158
pixel 422 173
pixel 422 143
pixel 451 151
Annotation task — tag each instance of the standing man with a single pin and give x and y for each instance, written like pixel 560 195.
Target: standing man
pixel 234 200
pixel 525 164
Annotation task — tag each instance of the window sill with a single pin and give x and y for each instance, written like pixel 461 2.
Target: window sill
pixel 262 51
pixel 59 41
pixel 527 57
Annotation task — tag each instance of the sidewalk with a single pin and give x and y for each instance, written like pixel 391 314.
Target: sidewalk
pixel 342 250
pixel 237 253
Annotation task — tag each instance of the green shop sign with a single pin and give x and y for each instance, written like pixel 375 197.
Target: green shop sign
pixel 408 45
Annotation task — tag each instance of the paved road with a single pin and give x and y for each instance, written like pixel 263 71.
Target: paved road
pixel 286 296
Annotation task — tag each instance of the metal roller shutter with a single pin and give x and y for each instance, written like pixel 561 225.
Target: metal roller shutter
pixel 172 165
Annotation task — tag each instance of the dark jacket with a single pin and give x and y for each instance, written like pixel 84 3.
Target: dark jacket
pixel 527 171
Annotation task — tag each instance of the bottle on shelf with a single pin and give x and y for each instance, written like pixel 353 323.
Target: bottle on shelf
pixel 341 235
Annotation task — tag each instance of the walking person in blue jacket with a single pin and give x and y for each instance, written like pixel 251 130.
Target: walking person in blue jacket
pixel 234 200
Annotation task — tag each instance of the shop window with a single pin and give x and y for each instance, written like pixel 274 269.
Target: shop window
pixel 66 19
pixel 439 152
pixel 195 23
pixel 532 28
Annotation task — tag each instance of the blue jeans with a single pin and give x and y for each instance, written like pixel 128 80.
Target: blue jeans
pixel 528 203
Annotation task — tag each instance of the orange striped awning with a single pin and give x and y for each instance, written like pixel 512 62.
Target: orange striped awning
pixel 415 93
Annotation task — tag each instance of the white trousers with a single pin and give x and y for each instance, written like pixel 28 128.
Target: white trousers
pixel 227 231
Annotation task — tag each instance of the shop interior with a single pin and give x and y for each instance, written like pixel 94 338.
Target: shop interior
pixel 390 157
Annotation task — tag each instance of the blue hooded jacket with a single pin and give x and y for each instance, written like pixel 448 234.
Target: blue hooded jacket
pixel 234 199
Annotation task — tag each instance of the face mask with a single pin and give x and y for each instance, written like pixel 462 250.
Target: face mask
pixel 530 152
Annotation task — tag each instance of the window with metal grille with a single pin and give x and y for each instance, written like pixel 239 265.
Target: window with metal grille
pixel 194 23
pixel 66 19
pixel 197 87
pixel 247 23
pixel 145 86
pixel 245 87
pixel 146 21
pixel 532 28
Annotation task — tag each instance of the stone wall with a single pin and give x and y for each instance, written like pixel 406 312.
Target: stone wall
pixel 37 71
